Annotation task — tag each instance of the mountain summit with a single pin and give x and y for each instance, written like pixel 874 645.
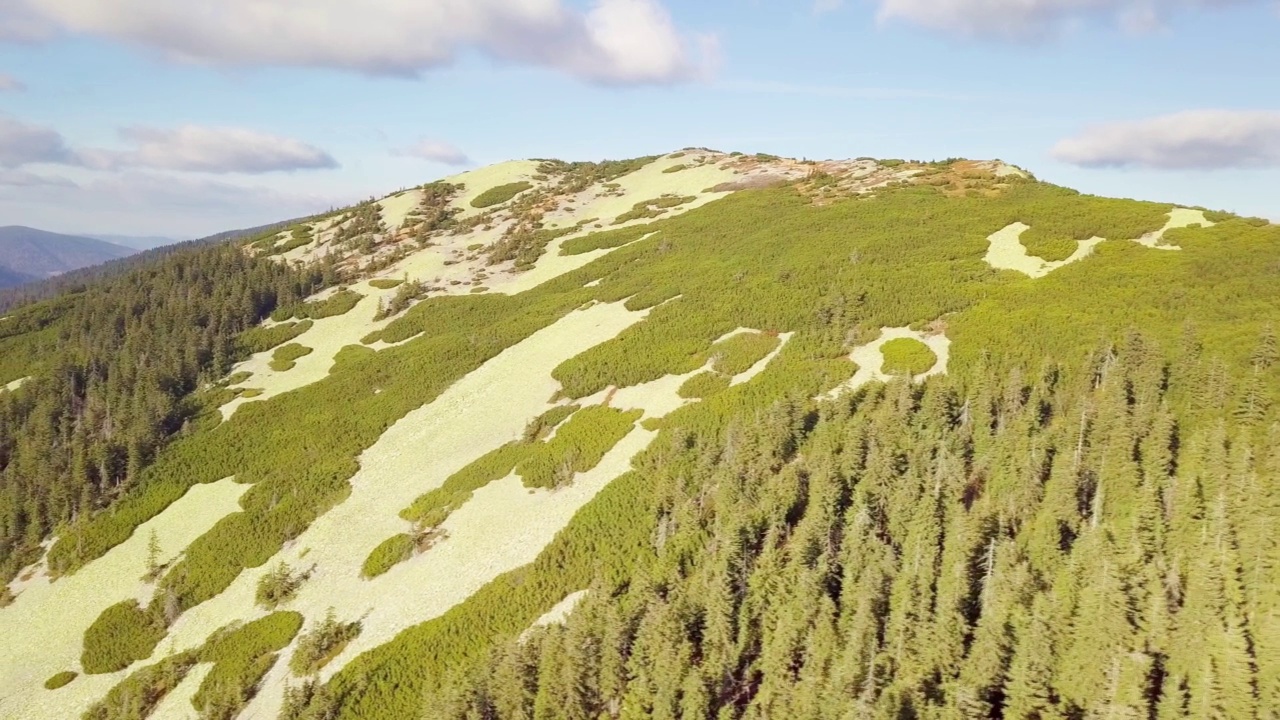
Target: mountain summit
pixel 698 435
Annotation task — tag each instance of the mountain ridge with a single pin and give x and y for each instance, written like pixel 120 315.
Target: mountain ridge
pixel 40 254
pixel 825 437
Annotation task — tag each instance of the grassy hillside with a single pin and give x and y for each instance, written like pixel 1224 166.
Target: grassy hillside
pixel 1071 522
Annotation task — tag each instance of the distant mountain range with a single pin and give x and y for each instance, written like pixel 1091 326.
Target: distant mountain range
pixel 28 254
pixel 137 242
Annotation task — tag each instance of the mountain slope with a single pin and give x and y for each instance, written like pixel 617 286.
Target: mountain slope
pixel 40 254
pixel 12 278
pixel 838 439
pixel 137 242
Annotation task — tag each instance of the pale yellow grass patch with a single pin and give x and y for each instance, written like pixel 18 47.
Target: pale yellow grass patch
pixel 15 384
pixel 870 358
pixel 177 704
pixel 482 179
pixel 395 208
pixel 558 612
pixel 1006 252
pixel 647 183
pixel 42 632
pixel 1178 218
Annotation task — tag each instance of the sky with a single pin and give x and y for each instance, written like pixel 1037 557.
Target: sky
pixel 153 117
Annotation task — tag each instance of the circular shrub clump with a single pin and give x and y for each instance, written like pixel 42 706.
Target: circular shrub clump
pixel 907 356
pixel 60 679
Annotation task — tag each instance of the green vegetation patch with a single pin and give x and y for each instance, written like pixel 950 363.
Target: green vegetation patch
pixel 540 427
pixel 500 194
pixel 385 283
pixel 652 208
pixel 433 507
pixel 603 240
pixel 120 635
pixel 907 356
pixel 139 693
pixel 340 303
pixel 1051 248
pixel 241 656
pixel 704 384
pixel 1053 233
pixel 284 356
pixel 299 236
pixel 395 549
pixel 323 643
pixel 736 355
pixel 578 446
pixel 676 168
pixel 61 679
pixel 260 339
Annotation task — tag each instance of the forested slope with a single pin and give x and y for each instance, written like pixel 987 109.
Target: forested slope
pixel 1071 518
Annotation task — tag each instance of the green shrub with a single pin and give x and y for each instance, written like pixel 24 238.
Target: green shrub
pixel 736 355
pixel 652 208
pixel 540 427
pixel 241 656
pixel 339 303
pixel 704 384
pixel 260 339
pixel 249 393
pixel 1048 247
pixel 61 679
pixel 431 509
pixel 676 168
pixel 279 585
pixel 395 549
pixel 578 446
pixel 325 642
pixel 138 694
pixel 385 283
pixel 500 194
pixel 603 240
pixel 284 356
pixel 120 635
pixel 907 356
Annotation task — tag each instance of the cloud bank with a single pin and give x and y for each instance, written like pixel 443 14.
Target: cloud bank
pixel 190 148
pixel 612 42
pixel 436 151
pixel 1027 20
pixel 1191 140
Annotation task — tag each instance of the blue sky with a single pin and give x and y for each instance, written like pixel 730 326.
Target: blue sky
pixel 151 117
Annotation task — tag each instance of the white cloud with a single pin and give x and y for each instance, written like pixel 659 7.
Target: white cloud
pixel 769 87
pixel 195 148
pixel 25 144
pixel 191 148
pixel 9 83
pixel 1034 19
pixel 152 203
pixel 1191 140
pixel 436 151
pixel 24 179
pixel 615 41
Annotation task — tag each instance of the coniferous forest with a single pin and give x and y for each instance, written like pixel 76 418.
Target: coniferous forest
pixel 113 370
